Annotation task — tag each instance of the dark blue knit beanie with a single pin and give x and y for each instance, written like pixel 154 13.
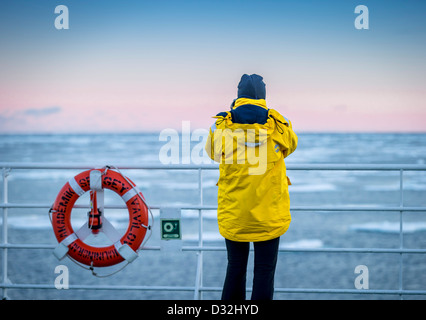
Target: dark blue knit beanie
pixel 251 87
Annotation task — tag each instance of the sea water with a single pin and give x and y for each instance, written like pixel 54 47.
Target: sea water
pixel 309 229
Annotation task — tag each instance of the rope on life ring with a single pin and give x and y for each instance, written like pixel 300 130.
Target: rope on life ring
pixel 124 248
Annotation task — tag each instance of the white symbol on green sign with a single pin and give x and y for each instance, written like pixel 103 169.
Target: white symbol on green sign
pixel 170 229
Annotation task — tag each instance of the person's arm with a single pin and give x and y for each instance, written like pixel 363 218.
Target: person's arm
pixel 214 140
pixel 210 142
pixel 289 139
pixel 286 138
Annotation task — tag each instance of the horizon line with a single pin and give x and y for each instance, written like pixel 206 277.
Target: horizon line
pixel 180 131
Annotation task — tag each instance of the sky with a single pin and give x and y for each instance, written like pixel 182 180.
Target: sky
pixel 143 66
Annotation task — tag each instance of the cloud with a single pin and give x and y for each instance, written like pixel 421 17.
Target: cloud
pixel 42 112
pixel 28 120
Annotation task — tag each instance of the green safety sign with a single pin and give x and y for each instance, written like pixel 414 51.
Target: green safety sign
pixel 170 229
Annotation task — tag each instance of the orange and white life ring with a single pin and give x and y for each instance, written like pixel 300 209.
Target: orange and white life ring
pixel 124 248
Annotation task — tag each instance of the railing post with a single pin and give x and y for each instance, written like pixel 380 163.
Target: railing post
pixel 401 233
pixel 4 231
pixel 199 273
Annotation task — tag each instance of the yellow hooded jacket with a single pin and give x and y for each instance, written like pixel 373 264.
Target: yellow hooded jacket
pixel 253 198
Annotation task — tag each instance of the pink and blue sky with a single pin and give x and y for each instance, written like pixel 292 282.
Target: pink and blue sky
pixel 130 66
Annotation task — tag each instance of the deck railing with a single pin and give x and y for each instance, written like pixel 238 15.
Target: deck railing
pixel 198 288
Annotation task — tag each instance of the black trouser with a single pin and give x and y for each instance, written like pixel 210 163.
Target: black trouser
pixel 265 261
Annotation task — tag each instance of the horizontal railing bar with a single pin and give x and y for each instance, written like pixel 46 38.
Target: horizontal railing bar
pixel 352 291
pixel 84 166
pixel 53 246
pixel 96 287
pixel 214 207
pixel 355 208
pixel 356 167
pixel 346 291
pixel 154 166
pixel 329 250
pixel 209 289
pixel 222 248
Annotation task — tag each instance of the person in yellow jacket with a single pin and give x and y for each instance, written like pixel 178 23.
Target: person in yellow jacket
pixel 250 142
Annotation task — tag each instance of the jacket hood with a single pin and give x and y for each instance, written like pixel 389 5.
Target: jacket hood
pixel 252 87
pixel 245 110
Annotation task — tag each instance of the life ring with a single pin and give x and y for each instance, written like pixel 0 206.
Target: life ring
pixel 123 249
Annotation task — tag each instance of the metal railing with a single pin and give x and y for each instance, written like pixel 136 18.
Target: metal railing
pixel 198 288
